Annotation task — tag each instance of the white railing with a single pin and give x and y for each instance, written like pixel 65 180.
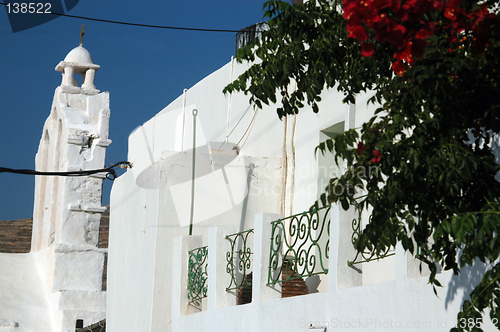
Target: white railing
pixel 219 294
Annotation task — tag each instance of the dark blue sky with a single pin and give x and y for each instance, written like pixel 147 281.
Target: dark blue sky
pixel 144 69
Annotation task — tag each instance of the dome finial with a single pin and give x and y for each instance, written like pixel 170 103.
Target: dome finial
pixel 81 34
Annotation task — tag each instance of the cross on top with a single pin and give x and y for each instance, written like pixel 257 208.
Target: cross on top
pixel 81 34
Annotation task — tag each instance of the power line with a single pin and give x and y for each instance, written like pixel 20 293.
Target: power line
pixel 139 24
pixel 110 171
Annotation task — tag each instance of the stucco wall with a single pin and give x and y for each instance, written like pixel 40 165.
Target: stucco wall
pixel 266 165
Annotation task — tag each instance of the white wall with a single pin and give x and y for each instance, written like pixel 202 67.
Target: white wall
pixel 275 171
pixel 145 220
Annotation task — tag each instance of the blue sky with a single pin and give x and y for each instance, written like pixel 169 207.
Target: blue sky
pixel 144 69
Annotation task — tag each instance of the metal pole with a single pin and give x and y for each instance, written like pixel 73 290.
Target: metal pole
pixel 195 113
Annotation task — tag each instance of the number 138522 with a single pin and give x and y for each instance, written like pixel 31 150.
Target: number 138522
pixel 29 8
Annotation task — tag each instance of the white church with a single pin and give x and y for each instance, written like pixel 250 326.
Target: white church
pixel 210 230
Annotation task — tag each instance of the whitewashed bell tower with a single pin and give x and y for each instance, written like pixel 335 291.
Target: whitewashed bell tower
pixel 67 210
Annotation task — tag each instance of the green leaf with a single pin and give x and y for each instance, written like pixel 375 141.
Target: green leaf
pixel 329 144
pixel 345 204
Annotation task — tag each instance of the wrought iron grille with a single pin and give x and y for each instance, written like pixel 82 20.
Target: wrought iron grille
pixel 365 257
pixel 197 275
pixel 299 246
pixel 239 259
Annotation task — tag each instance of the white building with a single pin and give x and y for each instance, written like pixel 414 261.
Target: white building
pixel 244 181
pixel 251 169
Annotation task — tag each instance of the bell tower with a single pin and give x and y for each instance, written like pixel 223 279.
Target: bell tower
pixel 68 210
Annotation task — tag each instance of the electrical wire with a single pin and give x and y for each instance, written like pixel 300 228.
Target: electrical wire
pixel 110 171
pixel 139 24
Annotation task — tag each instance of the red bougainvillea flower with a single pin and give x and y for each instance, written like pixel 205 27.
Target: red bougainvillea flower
pixel 405 54
pixel 367 49
pixel 398 67
pixel 357 32
pixel 377 157
pixel 405 25
pixel 417 48
pixel 360 148
pixel 482 32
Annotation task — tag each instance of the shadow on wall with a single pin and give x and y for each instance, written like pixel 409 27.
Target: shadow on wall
pixel 469 278
pixel 312 283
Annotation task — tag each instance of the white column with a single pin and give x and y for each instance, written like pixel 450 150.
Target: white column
pixel 347 276
pixel 89 77
pixel 68 78
pixel 180 249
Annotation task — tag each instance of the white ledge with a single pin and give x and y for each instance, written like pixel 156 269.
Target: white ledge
pixel 67 248
pixel 104 142
pixel 76 90
pixel 85 208
pixel 78 140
